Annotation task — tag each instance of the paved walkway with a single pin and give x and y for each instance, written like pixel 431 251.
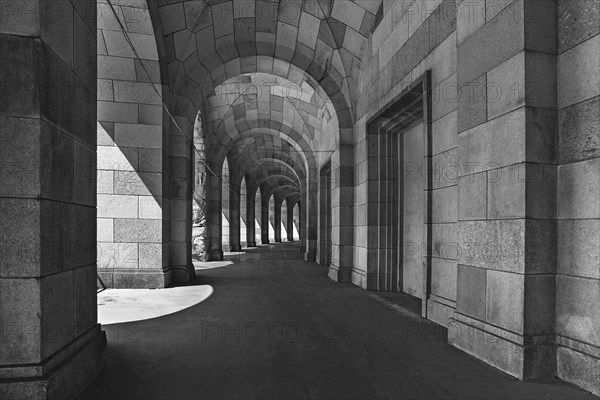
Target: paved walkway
pixel 276 327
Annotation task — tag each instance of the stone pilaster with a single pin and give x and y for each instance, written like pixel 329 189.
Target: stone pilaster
pixel 264 217
pixel 234 217
pixel 507 191
pixel 48 314
pixel 250 216
pixel 277 219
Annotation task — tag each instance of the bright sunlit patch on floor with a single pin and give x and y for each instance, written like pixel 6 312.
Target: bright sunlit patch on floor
pixel 127 305
pixel 211 264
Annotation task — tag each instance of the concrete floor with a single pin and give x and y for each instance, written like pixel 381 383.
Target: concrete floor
pixel 276 327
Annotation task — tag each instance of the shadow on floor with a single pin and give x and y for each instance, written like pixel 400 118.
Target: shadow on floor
pixel 280 329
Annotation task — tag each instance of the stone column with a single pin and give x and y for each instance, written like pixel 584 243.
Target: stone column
pixel 234 216
pixel 342 214
pixel 277 219
pixel 507 191
pixel 309 217
pixel 290 220
pixel 264 217
pixel 250 216
pixel 48 311
pixel 213 216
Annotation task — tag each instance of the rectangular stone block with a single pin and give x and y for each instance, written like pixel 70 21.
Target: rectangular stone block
pixel 472 197
pixel 56 297
pixel 150 207
pixel 523 190
pixel 138 135
pixel 21 323
pixel 471 291
pixel 445 97
pixel 117 255
pixel 150 160
pixel 111 111
pixel 138 230
pixel 444 239
pixel 578 368
pixel 444 208
pixel 472 106
pixel 579 136
pixel 498 245
pixel 578 77
pixel 105 182
pixel 472 17
pixel 491 45
pixel 104 230
pixel 20 224
pixel 138 183
pixel 540 304
pixel 85 307
pixel 150 114
pixel 576 22
pixel 151 255
pixel 578 190
pixel 579 247
pixel 446 170
pixel 445 133
pixel 84 173
pixel 116 67
pixel 116 158
pixel 117 206
pixel 505 300
pixel 578 308
pixel 444 278
pixel 540 246
pixel 496 144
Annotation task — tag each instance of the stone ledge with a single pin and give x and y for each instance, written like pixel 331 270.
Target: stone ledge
pixel 439 310
pixel 358 278
pixel 578 368
pixel 522 361
pixel 135 278
pixel 340 274
pixel 67 379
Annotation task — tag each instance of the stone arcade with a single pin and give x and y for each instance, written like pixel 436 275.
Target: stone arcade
pixel 446 149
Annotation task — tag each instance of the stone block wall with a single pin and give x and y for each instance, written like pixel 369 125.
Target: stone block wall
pixel 578 194
pixel 411 39
pixel 514 262
pixel 132 212
pixel 48 201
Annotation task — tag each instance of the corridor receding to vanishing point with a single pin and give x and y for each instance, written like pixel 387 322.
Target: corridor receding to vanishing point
pixel 277 328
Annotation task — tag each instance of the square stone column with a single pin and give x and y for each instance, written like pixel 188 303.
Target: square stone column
pixel 234 216
pixel 250 216
pixel 264 216
pixel 48 316
pixel 213 216
pixel 290 219
pixel 277 219
pixel 507 191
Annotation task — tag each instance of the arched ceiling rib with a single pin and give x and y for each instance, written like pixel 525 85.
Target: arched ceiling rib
pixel 206 43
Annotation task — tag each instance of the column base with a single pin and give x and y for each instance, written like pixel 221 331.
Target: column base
pixel 180 274
pixel 340 274
pixel 359 278
pixel 215 255
pixel 251 244
pixel 265 241
pixel 277 240
pixel 522 356
pixel 134 278
pixel 577 366
pixel 310 255
pixel 63 376
pixel 235 247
